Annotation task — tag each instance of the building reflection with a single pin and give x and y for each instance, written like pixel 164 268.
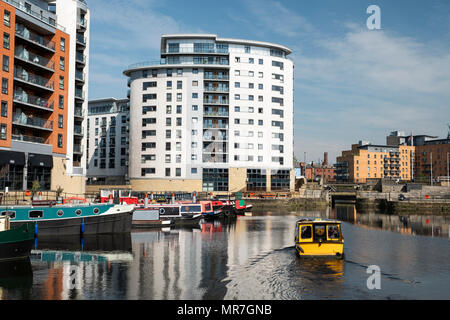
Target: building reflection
pixel 410 224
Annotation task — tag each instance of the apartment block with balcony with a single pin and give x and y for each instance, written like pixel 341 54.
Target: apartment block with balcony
pixel 107 143
pixel 218 112
pixel 34 98
pixel 366 161
pixel 74 15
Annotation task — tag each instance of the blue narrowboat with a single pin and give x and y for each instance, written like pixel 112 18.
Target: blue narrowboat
pixel 71 219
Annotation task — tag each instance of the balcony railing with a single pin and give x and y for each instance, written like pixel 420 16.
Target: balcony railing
pixel 34 37
pixel 215 137
pixel 196 50
pixel 33 79
pixel 78 130
pixel 77 148
pixel 34 59
pixel 78 112
pixel 27 138
pixel 216 89
pixel 81 39
pixel 216 101
pixel 33 100
pixel 80 57
pixel 79 75
pixel 79 93
pixel 215 114
pixel 37 15
pixel 23 119
pixel 215 125
pixel 216 76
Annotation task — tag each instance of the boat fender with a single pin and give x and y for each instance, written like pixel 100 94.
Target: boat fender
pixel 82 226
pixel 35 242
pixel 82 243
pixel 162 211
pixel 35 229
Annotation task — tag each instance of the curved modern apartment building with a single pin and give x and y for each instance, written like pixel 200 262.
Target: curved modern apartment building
pixel 212 114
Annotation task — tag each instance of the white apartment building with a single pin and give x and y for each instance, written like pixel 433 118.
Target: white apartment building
pixel 75 17
pixel 107 141
pixel 212 114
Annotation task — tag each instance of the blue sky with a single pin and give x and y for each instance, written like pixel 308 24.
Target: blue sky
pixel 351 83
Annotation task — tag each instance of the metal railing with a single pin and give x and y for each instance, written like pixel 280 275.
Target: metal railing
pixel 33 100
pixel 37 15
pixel 23 32
pixel 23 119
pixel 34 58
pixel 216 101
pixel 27 138
pixel 33 79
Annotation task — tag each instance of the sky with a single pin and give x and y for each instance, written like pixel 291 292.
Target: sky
pixel 350 83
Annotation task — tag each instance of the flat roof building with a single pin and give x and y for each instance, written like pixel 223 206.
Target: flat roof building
pixel 212 114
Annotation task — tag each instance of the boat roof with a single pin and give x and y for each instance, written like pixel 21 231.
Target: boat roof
pixel 317 220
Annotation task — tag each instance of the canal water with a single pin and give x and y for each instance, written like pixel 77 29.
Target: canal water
pixel 249 257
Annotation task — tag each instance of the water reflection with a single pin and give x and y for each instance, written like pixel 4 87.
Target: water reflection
pixel 411 224
pixel 16 279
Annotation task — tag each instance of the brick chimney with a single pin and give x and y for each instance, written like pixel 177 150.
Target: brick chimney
pixel 325 159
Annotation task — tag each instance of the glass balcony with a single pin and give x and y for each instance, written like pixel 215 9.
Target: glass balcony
pixel 207 125
pixel 78 130
pixel 31 121
pixel 37 15
pixel 33 37
pixel 77 148
pixel 81 39
pixel 216 89
pixel 196 50
pixel 34 59
pixel 33 79
pixel 79 75
pixel 215 101
pixel 213 113
pixel 23 97
pixel 21 137
pixel 79 57
pixel 82 23
pixel 209 76
pixel 79 93
pixel 78 112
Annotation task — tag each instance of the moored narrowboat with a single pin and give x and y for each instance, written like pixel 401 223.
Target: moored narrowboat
pixel 15 242
pixel 72 219
pixel 177 214
pixel 319 237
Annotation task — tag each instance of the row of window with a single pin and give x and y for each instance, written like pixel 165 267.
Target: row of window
pixel 111 163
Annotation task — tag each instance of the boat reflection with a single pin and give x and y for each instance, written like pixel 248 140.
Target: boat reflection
pixel 411 224
pixel 16 279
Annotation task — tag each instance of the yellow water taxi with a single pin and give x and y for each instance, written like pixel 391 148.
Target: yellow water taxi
pixel 319 238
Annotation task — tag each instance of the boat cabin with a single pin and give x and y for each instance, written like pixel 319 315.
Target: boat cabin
pixel 319 237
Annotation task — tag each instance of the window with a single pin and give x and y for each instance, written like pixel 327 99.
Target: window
pixel 7 18
pixel 237 59
pixel 63 44
pixel 61 102
pixel 151 84
pixel 60 121
pixel 167 158
pixel 145 171
pixel 168 109
pixel 194 132
pixel 61 82
pixel 167 172
pixel 237 84
pixel 179 108
pixel 237 72
pixel 237 97
pixel 4 109
pixel 179 122
pixel 168 134
pixel 260 74
pixel 61 63
pixel 168 146
pixel 169 72
pixel 169 84
pixel 6 40
pixel 3 131
pixel 178 172
pixel 194 107
pixel 251 85
pixel 193 170
pixel 250 97
pixel 168 122
pixel 194 83
pixel 179 72
pixel 168 97
pixel 277 64
pixel 251 73
pixel 247 49
pixel 6 63
pixel 251 60
pixel 179 84
pixel 4 85
pixel 194 95
pixel 60 140
pixel 237 109
pixel 195 71
pixel 260 61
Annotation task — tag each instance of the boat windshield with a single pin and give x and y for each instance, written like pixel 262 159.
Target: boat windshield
pixel 333 232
